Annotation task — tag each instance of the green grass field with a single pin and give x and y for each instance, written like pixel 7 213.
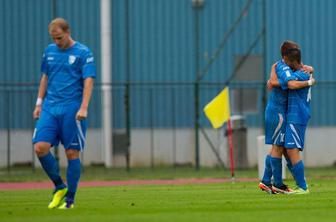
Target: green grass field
pixel 240 201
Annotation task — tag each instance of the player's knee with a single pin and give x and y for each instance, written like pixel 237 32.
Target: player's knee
pixel 277 151
pixel 41 149
pixel 294 155
pixel 72 154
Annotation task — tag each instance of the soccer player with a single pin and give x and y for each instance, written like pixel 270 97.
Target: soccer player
pixel 275 114
pixel 297 82
pixel 275 122
pixel 67 76
pixel 298 115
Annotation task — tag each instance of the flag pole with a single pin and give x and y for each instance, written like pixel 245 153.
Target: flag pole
pixel 218 112
pixel 229 128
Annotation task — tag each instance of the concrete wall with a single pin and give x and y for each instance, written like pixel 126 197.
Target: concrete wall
pixel 168 147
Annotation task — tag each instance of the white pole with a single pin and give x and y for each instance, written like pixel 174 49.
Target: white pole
pixel 106 67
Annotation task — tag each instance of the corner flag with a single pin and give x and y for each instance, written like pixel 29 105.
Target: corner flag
pixel 218 110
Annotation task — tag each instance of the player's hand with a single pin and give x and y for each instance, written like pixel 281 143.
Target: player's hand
pixel 37 112
pixel 311 81
pixel 81 114
pixel 269 85
pixel 307 69
pixel 273 78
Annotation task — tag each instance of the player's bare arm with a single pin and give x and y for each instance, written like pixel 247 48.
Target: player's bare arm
pixel 87 91
pixel 273 80
pixel 293 84
pixel 40 96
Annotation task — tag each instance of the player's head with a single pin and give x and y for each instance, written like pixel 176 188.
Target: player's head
pixel 287 45
pixel 59 30
pixel 293 58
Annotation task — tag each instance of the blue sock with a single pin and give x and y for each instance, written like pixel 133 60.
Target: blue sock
pixel 73 175
pixel 50 166
pixel 268 171
pixel 298 172
pixel 276 164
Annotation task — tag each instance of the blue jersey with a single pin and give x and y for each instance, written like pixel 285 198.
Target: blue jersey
pixel 278 96
pixel 275 113
pixel 66 71
pixel 298 111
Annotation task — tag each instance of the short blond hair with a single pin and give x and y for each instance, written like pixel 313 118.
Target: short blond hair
pixel 59 23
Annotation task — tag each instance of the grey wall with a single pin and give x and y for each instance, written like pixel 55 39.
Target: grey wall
pixel 166 147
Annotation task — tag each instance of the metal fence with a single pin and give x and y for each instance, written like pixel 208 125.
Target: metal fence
pixel 148 107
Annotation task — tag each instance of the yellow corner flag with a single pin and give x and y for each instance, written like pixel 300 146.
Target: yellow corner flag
pixel 218 110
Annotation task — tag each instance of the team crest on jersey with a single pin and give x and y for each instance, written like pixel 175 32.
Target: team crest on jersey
pixel 72 59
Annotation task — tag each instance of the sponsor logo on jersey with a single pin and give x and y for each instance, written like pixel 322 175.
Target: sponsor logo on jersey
pixel 50 58
pixel 72 59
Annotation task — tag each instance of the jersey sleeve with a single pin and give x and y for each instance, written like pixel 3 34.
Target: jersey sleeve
pixel 88 65
pixel 285 74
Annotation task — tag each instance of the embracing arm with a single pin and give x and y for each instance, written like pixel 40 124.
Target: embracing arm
pixel 40 96
pixel 294 84
pixel 273 80
pixel 87 91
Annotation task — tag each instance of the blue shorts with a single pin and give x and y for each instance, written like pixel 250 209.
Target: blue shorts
pixel 58 124
pixel 275 126
pixel 295 135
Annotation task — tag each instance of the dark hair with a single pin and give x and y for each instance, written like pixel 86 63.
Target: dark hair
pixel 294 54
pixel 287 45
